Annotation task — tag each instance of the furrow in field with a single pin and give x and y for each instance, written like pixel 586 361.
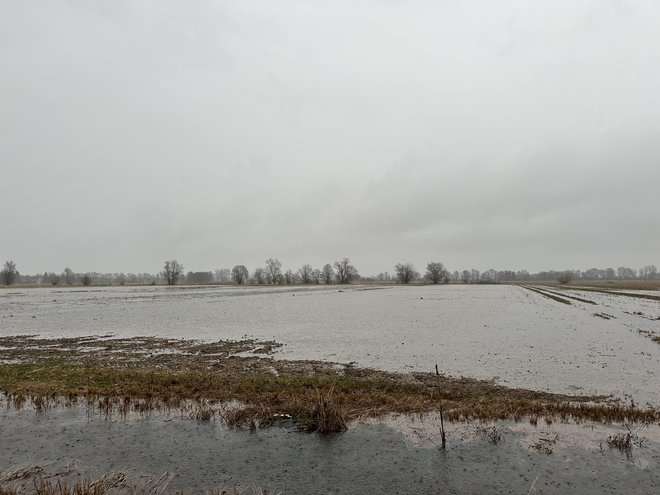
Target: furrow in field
pixel 637 295
pixel 547 294
pixel 575 298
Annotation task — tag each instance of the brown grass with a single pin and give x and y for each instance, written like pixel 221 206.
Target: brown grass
pixel 110 485
pixel 327 417
pixel 621 441
pixel 544 445
pixel 323 401
pixel 211 383
pixel 492 433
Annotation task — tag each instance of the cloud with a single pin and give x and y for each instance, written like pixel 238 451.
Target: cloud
pixel 509 135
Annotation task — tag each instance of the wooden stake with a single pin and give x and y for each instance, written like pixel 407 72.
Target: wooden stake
pixel 443 439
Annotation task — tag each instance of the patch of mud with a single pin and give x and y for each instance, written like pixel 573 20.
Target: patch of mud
pixel 136 352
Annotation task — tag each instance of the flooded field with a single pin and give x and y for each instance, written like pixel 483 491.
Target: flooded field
pixel 396 455
pixel 506 333
pixel 544 339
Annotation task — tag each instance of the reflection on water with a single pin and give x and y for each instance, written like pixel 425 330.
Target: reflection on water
pixel 400 456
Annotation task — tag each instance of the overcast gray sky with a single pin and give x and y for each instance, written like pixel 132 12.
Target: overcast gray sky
pixel 508 134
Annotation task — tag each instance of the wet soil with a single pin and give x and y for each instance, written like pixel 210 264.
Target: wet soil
pixel 137 352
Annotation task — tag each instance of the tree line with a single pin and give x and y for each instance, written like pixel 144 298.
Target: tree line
pixel 341 272
pixel 272 273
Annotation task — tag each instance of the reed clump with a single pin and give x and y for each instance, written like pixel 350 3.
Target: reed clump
pixel 621 441
pixel 327 416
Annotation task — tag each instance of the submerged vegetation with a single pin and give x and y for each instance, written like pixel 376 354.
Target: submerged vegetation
pixel 35 481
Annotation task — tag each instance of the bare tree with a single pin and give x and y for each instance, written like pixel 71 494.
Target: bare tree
pixel 273 271
pixel 489 276
pixel 239 274
pixel 648 272
pixel 259 276
pixel 405 272
pixel 289 277
pixel 565 277
pixel 223 275
pixel 436 272
pixel 69 276
pixel 306 273
pixel 327 273
pixel 345 272
pixel 52 278
pixel 86 279
pixel 9 273
pixel 172 271
pixel 625 273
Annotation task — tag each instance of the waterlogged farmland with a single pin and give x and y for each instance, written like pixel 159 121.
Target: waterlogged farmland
pixel 515 336
pixel 159 390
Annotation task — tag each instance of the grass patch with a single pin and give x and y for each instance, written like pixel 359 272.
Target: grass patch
pixel 206 381
pixel 324 401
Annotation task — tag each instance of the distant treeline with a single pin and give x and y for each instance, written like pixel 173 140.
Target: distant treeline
pixel 341 271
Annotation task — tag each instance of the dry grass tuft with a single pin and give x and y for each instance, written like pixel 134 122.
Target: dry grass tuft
pixel 327 416
pixel 241 417
pixel 545 445
pixel 625 441
pixel 621 441
pixel 493 434
pixel 202 412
